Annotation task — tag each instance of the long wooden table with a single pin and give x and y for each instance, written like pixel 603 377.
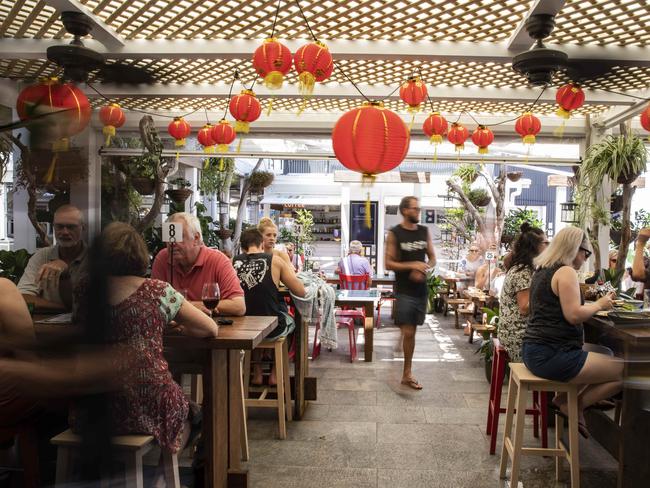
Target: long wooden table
pixel 220 360
pixel 629 442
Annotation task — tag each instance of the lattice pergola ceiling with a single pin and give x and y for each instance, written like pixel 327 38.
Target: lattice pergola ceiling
pixel 584 22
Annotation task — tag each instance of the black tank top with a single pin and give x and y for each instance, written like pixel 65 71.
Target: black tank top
pixel 411 246
pixel 260 293
pixel 546 324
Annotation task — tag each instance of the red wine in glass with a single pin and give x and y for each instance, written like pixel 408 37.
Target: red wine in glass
pixel 211 296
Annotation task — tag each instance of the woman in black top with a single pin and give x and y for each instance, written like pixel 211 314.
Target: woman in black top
pixel 552 345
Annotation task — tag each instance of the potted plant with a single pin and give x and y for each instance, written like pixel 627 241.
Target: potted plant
pixel 260 180
pixel 514 175
pixel 468 173
pixel 621 158
pixel 181 190
pixel 479 197
pixel 514 219
pixel 13 263
pixel 435 284
pixel 486 349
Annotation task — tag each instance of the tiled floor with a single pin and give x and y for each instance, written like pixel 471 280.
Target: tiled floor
pixel 366 430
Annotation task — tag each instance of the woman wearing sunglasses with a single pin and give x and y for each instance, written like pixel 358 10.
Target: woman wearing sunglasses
pixel 552 345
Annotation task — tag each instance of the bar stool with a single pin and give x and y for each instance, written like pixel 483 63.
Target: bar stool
pixel 521 382
pixel 130 448
pixel 282 390
pixel 540 400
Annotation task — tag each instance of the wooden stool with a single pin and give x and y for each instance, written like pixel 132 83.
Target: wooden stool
pixel 465 312
pixel 130 448
pixel 476 327
pixel 523 381
pixel 283 389
pixel 540 405
pixel 25 434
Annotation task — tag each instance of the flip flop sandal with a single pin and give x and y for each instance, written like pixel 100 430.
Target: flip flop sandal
pixel 412 383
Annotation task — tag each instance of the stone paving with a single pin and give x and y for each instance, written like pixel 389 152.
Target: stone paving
pixel 367 430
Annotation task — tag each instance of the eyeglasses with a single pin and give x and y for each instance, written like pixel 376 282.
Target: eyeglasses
pixel 473 250
pixel 588 253
pixel 70 227
pixel 414 208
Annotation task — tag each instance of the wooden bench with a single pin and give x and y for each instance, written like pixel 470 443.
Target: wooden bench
pixel 476 327
pixel 130 448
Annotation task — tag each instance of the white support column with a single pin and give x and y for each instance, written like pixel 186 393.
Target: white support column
pixel 192 175
pixel 87 194
pixel 381 224
pixel 24 232
pixel 345 217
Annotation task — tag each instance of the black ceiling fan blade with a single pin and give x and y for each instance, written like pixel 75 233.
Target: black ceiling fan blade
pixel 19 124
pixel 583 70
pixel 124 74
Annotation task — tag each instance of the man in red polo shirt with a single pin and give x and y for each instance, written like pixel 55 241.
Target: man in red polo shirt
pixel 196 264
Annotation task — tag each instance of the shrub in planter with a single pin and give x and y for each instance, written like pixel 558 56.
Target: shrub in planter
pixel 143 185
pixel 181 192
pixel 468 173
pixel 479 197
pixel 260 180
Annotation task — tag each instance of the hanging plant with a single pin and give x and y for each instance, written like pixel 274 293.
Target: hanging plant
pixel 621 158
pixel 216 175
pixel 181 192
pixel 467 173
pixel 260 180
pixel 514 176
pixel 479 197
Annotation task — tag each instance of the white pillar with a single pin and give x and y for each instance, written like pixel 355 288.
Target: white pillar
pixel 192 175
pixel 381 223
pixel 87 194
pixel 345 217
pixel 24 232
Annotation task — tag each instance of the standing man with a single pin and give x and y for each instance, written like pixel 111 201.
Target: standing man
pixel 53 272
pixel 196 264
pixel 407 245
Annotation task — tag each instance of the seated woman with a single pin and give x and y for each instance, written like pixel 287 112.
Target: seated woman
pixel 471 263
pixel 515 295
pixel 150 402
pixel 552 345
pixel 269 232
pixel 260 274
pixel 294 259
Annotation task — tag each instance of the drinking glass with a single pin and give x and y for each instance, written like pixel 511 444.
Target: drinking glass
pixel 211 296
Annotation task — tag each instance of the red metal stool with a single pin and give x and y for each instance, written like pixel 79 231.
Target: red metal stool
pixel 499 360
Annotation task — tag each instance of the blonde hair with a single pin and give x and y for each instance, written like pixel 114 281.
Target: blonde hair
pixel 265 223
pixel 563 248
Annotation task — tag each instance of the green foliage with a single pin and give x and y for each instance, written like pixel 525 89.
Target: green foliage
pixel 260 180
pixel 179 183
pixel 435 284
pixel 153 238
pixel 516 217
pixel 485 349
pixel 216 175
pixel 13 264
pixel 614 157
pixel 478 196
pixel 210 234
pixel 304 227
pixel 467 173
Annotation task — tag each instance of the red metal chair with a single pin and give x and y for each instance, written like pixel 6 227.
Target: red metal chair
pixel 499 360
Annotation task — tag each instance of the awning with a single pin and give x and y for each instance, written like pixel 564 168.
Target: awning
pixel 301 200
pixel 432 201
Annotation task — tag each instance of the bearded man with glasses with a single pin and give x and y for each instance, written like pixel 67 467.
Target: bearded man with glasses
pixel 53 272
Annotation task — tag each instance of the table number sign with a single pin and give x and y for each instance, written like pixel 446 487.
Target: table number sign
pixel 172 232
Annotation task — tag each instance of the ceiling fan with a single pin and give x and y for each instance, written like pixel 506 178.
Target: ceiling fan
pixel 79 62
pixel 540 64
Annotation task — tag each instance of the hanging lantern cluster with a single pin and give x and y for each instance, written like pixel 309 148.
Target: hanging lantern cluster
pixel 370 140
pixel 482 137
pixel 528 126
pixel 457 135
pixel 71 111
pixel 569 97
pixel 112 117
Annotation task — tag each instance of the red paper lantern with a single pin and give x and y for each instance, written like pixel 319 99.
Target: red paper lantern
pixel 205 138
pixel 457 135
pixel 112 117
pixel 50 96
pixel 179 130
pixel 645 118
pixel 245 108
pixel 223 134
pixel 370 139
pixel 272 60
pixel 413 92
pixel 482 137
pixel 313 62
pixel 435 126
pixel 528 126
pixel 569 97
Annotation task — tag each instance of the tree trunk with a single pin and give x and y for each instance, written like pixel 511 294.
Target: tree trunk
pixel 241 208
pixel 474 213
pixel 626 234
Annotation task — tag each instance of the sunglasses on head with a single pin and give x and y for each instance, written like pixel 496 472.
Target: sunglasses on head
pixel 588 253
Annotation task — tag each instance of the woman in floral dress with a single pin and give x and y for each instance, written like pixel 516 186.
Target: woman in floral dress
pixel 150 402
pixel 514 300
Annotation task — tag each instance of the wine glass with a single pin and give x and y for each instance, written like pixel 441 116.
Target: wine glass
pixel 211 296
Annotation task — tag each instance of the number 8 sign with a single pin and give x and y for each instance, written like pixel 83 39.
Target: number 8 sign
pixel 172 232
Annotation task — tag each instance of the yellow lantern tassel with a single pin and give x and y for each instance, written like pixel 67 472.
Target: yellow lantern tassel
pixel 220 164
pixel 303 106
pixel 206 163
pixel 529 139
pixel 179 142
pixel 108 131
pixel 565 114
pixel 412 120
pixel 482 150
pixel 435 153
pixel 208 149
pixel 49 176
pixel 273 80
pixel 559 132
pixel 241 139
pixel 242 126
pixel 435 139
pixel 222 148
pixel 368 223
pixel 306 83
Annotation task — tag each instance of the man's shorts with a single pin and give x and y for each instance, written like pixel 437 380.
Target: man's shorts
pixel 410 310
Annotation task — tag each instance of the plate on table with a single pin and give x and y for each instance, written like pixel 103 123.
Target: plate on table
pixel 628 317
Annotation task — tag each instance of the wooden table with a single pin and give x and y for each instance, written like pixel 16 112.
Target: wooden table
pixel 221 361
pixel 367 299
pixel 629 442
